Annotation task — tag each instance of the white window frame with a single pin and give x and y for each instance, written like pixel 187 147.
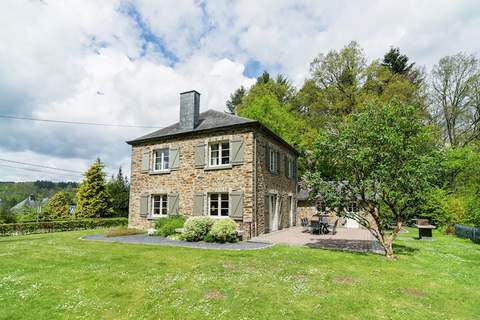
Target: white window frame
pixel 219 208
pixel 352 207
pixel 164 159
pixel 163 205
pixel 290 168
pixel 273 158
pixel 220 156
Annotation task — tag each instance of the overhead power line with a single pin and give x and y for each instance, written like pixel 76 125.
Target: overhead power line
pixel 40 166
pixel 80 123
pixel 42 171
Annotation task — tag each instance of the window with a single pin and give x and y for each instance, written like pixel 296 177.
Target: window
pixel 273 161
pixel 352 207
pixel 219 154
pixel 290 168
pixel 160 159
pixel 159 205
pixel 218 204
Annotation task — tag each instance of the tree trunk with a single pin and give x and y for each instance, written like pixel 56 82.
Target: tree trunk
pixel 386 241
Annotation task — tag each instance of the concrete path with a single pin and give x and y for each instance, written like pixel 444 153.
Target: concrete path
pixel 156 240
pixel 359 240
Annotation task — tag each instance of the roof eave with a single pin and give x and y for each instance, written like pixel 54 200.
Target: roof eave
pixel 254 123
pixel 188 133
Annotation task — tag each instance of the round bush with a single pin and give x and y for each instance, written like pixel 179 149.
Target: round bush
pixel 223 230
pixel 196 228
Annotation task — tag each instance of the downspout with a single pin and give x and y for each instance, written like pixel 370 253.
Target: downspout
pixel 254 213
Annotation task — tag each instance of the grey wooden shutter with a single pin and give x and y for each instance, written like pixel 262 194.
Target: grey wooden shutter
pixel 236 205
pixel 172 203
pixel 278 161
pixel 294 164
pixel 200 156
pixel 238 150
pixel 287 174
pixel 174 158
pixel 144 206
pixel 267 157
pixel 266 213
pixel 198 204
pixel 146 161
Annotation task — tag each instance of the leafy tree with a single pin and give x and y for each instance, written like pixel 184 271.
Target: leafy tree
pixel 58 206
pixel 6 215
pixel 235 100
pixel 270 101
pixel 461 168
pixel 93 199
pixel 119 189
pixel 340 74
pixel 455 95
pixel 382 85
pixel 382 159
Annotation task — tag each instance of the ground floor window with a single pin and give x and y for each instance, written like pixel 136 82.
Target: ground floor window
pixel 159 205
pixel 352 207
pixel 218 204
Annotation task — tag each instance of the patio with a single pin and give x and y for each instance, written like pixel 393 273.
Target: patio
pixel 348 239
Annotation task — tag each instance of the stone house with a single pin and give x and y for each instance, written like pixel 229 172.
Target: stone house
pixel 213 164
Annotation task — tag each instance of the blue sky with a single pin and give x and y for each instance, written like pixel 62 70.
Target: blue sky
pixel 126 61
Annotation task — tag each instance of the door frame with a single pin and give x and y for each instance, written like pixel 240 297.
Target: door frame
pixel 273 211
pixel 291 213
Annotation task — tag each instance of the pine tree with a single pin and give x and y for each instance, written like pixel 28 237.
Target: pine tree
pixel 118 188
pixel 58 207
pixel 93 199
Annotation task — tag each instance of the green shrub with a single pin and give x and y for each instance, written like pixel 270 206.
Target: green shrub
pixel 54 226
pixel 122 231
pixel 223 230
pixel 196 228
pixel 166 226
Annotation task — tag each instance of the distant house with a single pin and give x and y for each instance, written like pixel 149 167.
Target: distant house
pixel 29 202
pixel 213 164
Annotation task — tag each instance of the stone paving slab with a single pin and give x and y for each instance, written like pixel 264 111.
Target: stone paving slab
pixel 358 240
pixel 156 240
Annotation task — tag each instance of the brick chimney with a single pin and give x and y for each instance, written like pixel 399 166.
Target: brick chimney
pixel 189 109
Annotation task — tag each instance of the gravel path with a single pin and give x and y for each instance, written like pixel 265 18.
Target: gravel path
pixel 156 240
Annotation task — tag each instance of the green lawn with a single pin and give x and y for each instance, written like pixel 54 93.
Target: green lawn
pixel 56 276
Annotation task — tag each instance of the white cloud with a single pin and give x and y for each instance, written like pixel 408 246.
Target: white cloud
pixel 126 61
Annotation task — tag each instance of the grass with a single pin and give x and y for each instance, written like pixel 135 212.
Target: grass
pixel 57 276
pixel 122 231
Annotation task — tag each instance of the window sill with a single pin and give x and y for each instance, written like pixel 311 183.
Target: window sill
pixel 218 217
pixel 152 173
pixel 220 167
pixel 150 217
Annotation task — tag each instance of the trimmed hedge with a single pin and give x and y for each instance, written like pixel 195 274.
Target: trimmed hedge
pixel 9 229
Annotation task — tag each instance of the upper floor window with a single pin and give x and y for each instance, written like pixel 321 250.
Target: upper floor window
pixel 160 159
pixel 159 205
pixel 219 154
pixel 290 168
pixel 273 165
pixel 218 204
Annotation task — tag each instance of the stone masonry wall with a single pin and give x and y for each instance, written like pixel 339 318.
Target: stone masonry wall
pixel 188 179
pixel 272 183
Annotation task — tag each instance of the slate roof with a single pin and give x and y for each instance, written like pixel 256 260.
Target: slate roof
pixel 210 120
pixel 29 203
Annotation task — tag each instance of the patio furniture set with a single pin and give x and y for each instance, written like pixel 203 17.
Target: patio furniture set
pixel 319 224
